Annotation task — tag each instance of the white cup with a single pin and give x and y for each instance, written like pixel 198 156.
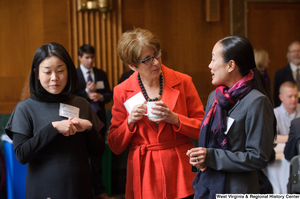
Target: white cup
pixel 150 115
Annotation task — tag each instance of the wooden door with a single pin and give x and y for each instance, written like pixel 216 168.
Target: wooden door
pixel 273 26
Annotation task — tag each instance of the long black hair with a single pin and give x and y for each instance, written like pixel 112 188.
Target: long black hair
pixel 240 50
pixel 44 52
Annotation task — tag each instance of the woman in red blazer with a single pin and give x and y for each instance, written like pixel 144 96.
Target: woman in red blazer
pixel 157 164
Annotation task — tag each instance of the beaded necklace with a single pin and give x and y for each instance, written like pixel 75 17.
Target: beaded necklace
pixel 144 90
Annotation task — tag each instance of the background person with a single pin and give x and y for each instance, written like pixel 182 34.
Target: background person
pixel 54 145
pixel 288 73
pixel 292 146
pixel 157 166
pixel 262 61
pixel 125 76
pixel 232 150
pixel 287 111
pixel 94 86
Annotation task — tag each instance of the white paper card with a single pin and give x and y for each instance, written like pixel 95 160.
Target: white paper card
pixel 100 85
pixel 134 100
pixel 229 123
pixel 67 111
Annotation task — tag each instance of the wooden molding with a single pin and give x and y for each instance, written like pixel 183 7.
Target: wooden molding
pixel 212 10
pixel 238 14
pixel 237 18
pixel 91 28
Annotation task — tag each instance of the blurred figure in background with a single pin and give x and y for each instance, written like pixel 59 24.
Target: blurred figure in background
pixel 262 61
pixel 289 73
pixel 94 87
pixel 291 148
pixel 288 110
pixel 125 76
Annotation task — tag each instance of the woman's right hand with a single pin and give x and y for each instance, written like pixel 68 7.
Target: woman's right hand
pixel 136 114
pixel 65 127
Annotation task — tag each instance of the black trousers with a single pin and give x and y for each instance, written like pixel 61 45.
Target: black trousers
pixel 96 168
pixel 96 175
pixel 189 197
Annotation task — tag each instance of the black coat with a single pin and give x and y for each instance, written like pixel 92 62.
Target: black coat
pixel 282 75
pixel 291 147
pixel 100 75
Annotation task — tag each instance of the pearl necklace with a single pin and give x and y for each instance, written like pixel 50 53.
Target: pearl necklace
pixel 144 90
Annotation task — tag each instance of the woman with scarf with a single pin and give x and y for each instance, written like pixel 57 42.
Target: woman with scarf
pixel 237 132
pixel 53 131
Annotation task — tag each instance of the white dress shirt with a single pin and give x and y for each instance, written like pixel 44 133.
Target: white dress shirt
pixel 284 119
pixel 85 75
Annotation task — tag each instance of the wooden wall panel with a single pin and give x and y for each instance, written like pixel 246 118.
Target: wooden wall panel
pixel 89 27
pixel 31 23
pixel 273 26
pixel 187 39
pixel 212 10
pixel 25 26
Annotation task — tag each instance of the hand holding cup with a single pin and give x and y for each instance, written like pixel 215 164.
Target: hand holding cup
pixel 149 113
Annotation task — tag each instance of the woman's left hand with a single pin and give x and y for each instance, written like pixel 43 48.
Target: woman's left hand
pixel 197 157
pixel 81 124
pixel 167 114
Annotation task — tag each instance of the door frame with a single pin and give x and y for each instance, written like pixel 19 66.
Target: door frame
pixel 238 14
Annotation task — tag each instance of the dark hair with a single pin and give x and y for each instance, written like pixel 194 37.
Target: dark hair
pixel 85 48
pixel 239 49
pixel 44 52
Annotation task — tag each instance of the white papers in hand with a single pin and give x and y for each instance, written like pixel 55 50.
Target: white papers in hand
pixel 134 100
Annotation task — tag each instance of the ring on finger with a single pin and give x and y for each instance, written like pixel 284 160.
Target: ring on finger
pixel 196 159
pixel 163 113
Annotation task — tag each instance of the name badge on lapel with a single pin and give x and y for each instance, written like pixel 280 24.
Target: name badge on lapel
pixel 229 124
pixel 67 111
pixel 100 85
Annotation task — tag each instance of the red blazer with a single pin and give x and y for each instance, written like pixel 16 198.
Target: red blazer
pixel 157 164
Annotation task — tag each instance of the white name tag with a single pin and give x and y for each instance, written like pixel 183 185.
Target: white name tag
pixel 67 111
pixel 229 123
pixel 134 100
pixel 100 85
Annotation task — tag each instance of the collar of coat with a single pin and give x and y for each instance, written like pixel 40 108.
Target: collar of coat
pixel 170 93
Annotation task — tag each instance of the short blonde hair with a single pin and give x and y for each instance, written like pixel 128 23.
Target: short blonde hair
pixel 287 84
pixel 260 56
pixel 131 43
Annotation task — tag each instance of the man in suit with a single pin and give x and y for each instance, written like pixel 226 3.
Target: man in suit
pixel 94 86
pixel 292 146
pixel 290 72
